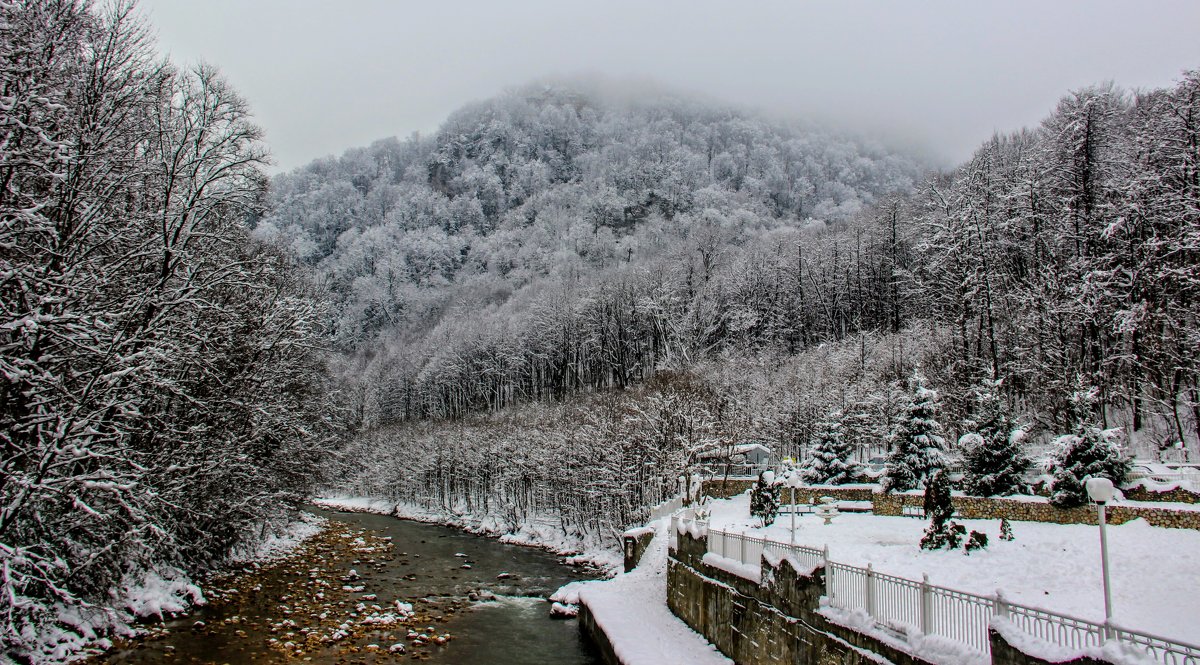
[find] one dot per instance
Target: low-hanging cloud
(938, 77)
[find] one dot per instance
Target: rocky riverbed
(370, 589)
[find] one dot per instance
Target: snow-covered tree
(1086, 452)
(164, 395)
(942, 532)
(993, 455)
(831, 457)
(764, 498)
(917, 442)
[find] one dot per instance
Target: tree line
(164, 394)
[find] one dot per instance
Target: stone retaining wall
(1140, 492)
(806, 494)
(975, 507)
(635, 543)
(776, 622)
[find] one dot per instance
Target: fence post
(1001, 608)
(870, 590)
(828, 575)
(926, 605)
(742, 540)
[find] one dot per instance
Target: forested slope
(552, 240)
(1061, 259)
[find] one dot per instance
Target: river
(474, 600)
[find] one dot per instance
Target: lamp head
(1099, 488)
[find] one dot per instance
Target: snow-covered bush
(977, 540)
(917, 441)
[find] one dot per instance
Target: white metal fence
(666, 508)
(748, 548)
(908, 606)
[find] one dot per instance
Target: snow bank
(638, 532)
(773, 559)
(734, 567)
(1118, 653)
(932, 648)
(279, 544)
(632, 611)
(542, 533)
(166, 590)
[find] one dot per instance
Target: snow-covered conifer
(993, 455)
(764, 498)
(917, 441)
(831, 457)
(1088, 451)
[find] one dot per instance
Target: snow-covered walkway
(632, 611)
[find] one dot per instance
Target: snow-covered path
(632, 610)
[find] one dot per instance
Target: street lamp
(793, 480)
(1100, 489)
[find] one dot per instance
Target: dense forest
(555, 245)
(164, 397)
(551, 241)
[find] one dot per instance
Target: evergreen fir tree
(1089, 451)
(917, 441)
(1005, 529)
(831, 460)
(942, 532)
(764, 498)
(993, 456)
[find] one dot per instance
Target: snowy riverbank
(631, 609)
(545, 534)
(160, 593)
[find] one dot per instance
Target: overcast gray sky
(326, 76)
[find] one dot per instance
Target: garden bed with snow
(1155, 571)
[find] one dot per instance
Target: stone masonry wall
(974, 507)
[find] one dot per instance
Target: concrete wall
(776, 622)
(635, 543)
(587, 623)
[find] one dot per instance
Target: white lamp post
(1100, 490)
(793, 481)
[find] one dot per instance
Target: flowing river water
(474, 600)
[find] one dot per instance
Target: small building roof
(739, 449)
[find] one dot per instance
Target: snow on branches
(917, 441)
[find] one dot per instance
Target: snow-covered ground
(546, 534)
(1155, 571)
(632, 610)
(277, 545)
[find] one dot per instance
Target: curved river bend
(487, 596)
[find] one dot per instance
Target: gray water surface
(487, 595)
(514, 629)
